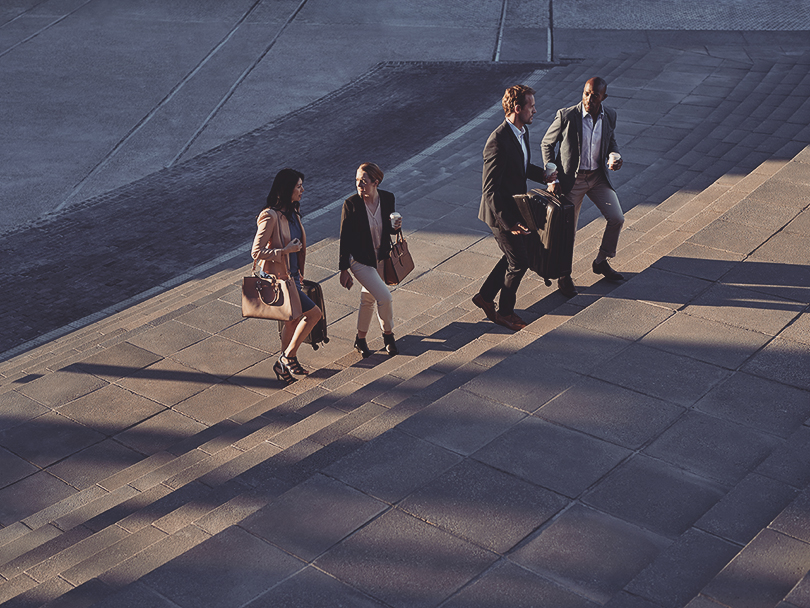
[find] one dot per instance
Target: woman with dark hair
(280, 247)
(366, 227)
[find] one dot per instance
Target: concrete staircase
(87, 546)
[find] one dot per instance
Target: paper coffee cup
(613, 157)
(550, 168)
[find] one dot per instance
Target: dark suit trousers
(508, 272)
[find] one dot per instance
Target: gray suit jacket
(504, 176)
(567, 130)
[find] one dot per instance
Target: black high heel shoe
(293, 365)
(283, 372)
(390, 345)
(361, 346)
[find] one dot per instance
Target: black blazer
(505, 176)
(355, 234)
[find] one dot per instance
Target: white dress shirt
(519, 133)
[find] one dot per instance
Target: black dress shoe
(566, 287)
(487, 307)
(604, 268)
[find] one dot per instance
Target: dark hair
(515, 96)
(280, 196)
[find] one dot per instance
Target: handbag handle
(276, 290)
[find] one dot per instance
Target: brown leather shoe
(566, 287)
(517, 321)
(509, 321)
(487, 307)
(604, 268)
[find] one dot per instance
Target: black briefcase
(318, 334)
(551, 223)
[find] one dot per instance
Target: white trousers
(374, 290)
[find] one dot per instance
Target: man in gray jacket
(585, 133)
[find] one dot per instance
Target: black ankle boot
(361, 347)
(390, 345)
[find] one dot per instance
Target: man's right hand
(554, 188)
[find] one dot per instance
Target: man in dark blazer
(585, 133)
(507, 165)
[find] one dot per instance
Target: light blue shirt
(591, 141)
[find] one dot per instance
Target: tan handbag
(400, 263)
(272, 297)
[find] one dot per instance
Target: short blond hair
(515, 96)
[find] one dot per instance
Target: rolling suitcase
(551, 223)
(318, 334)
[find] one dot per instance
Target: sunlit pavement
(639, 445)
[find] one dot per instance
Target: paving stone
(661, 287)
(404, 561)
(218, 356)
(16, 408)
(168, 338)
(704, 262)
(217, 403)
(748, 508)
(712, 447)
(623, 318)
(13, 468)
(590, 553)
(392, 466)
(168, 382)
(506, 383)
(313, 589)
(507, 584)
(159, 432)
(65, 437)
(110, 409)
(575, 348)
(610, 412)
(731, 236)
(660, 374)
(461, 422)
(222, 571)
(763, 573)
(60, 387)
(95, 463)
(564, 461)
(655, 495)
(116, 362)
(799, 596)
(783, 361)
(212, 317)
(793, 520)
(312, 517)
(484, 506)
(762, 404)
(745, 308)
(14, 551)
(682, 570)
(710, 341)
(799, 330)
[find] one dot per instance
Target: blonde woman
(365, 244)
